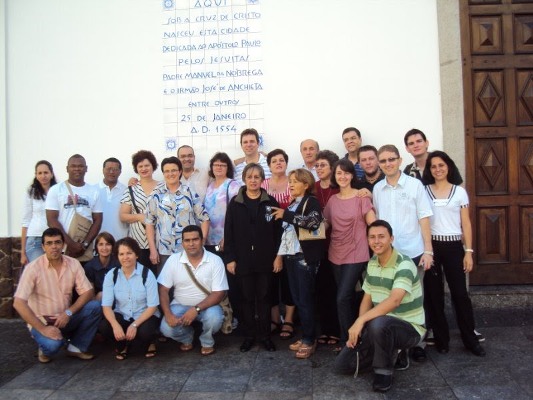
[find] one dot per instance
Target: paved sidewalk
(505, 373)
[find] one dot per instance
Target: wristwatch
(198, 309)
(134, 325)
(68, 312)
(85, 245)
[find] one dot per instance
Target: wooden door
(497, 49)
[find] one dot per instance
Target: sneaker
(43, 358)
(480, 337)
(430, 339)
(402, 361)
(382, 383)
(419, 354)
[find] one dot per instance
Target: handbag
(226, 327)
(79, 228)
(308, 234)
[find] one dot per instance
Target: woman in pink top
(348, 214)
(278, 187)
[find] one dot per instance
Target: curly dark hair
(143, 155)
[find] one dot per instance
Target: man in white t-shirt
(250, 147)
(111, 191)
(61, 206)
(190, 303)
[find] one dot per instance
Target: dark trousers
(449, 257)
(255, 290)
(144, 259)
(346, 277)
(302, 282)
(146, 332)
(326, 299)
(381, 339)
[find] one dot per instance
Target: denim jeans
(211, 319)
(346, 276)
(80, 330)
(381, 339)
(34, 247)
(302, 283)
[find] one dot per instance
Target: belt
(446, 238)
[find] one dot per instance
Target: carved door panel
(497, 48)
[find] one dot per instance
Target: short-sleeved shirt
(240, 167)
(96, 272)
(446, 218)
(87, 200)
(398, 273)
(47, 291)
(348, 244)
(210, 273)
(170, 213)
(110, 199)
(137, 230)
(131, 296)
(402, 206)
(215, 203)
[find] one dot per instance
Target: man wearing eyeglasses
(111, 191)
(44, 301)
(401, 200)
(197, 179)
(170, 209)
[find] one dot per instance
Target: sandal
(286, 334)
(305, 351)
(186, 346)
(296, 345)
(151, 352)
(121, 355)
(207, 351)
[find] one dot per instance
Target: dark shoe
(477, 350)
(382, 383)
(419, 354)
(269, 346)
(286, 334)
(402, 362)
(247, 345)
(430, 340)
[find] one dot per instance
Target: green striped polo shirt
(399, 272)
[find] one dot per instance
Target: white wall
(84, 77)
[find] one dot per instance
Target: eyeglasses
(390, 160)
(323, 165)
(220, 165)
(171, 171)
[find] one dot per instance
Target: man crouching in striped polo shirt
(391, 316)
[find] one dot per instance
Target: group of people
(352, 240)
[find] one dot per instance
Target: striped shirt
(47, 291)
(399, 273)
(137, 230)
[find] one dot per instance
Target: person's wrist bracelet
(469, 250)
(429, 253)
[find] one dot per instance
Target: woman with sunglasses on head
(451, 237)
(34, 214)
